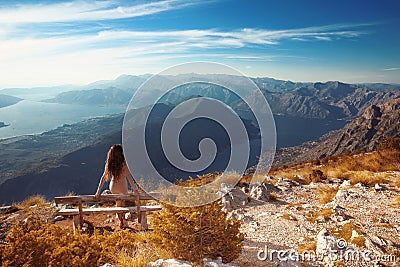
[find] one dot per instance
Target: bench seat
(88, 211)
(81, 210)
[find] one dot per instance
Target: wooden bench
(78, 212)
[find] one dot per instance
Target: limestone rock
(170, 263)
(325, 242)
(259, 191)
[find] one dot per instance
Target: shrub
(391, 143)
(326, 194)
(194, 233)
(37, 200)
(36, 243)
(315, 176)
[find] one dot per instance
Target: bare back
(120, 186)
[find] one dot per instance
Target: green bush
(194, 233)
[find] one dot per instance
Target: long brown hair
(115, 161)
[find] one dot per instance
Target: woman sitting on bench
(117, 171)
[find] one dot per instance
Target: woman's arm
(132, 182)
(101, 184)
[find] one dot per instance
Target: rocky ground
(283, 220)
(358, 218)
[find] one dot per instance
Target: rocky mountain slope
(365, 132)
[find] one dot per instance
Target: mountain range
(71, 158)
(330, 100)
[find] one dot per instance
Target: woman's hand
(97, 195)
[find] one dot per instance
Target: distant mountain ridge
(99, 97)
(330, 100)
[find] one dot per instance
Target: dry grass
(289, 217)
(316, 176)
(357, 167)
(307, 247)
(368, 178)
(142, 255)
(359, 241)
(273, 196)
(397, 200)
(346, 231)
(325, 194)
(312, 216)
(32, 201)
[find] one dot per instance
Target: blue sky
(77, 42)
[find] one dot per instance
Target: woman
(117, 171)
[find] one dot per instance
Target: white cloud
(78, 54)
(85, 11)
(391, 69)
(323, 38)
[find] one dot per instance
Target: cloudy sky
(76, 42)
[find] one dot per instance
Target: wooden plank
(104, 198)
(87, 211)
(80, 212)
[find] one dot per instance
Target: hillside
(99, 97)
(295, 209)
(19, 155)
(6, 100)
(365, 132)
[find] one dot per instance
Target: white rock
(259, 192)
(170, 263)
(345, 184)
(379, 187)
(312, 185)
(338, 210)
(360, 185)
(107, 265)
(354, 234)
(224, 189)
(58, 218)
(7, 209)
(218, 263)
(306, 206)
(341, 196)
(326, 243)
(321, 219)
(128, 216)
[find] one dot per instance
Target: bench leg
(77, 222)
(142, 219)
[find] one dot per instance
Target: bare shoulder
(125, 169)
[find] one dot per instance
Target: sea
(35, 117)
